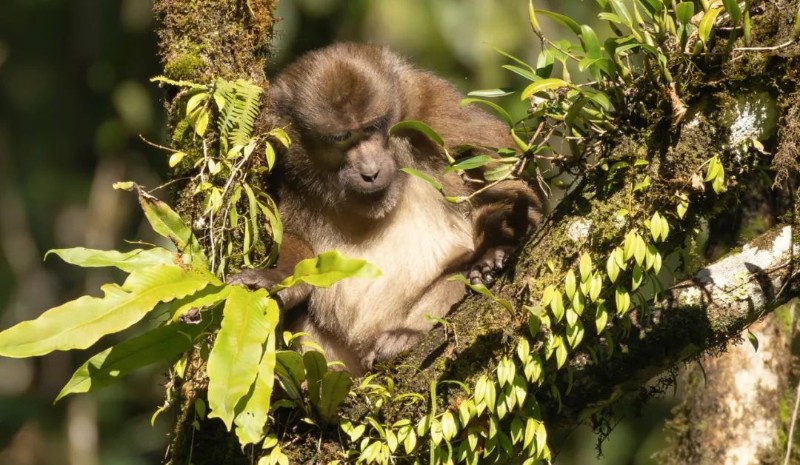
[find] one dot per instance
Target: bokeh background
(76, 107)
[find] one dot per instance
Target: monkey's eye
(340, 137)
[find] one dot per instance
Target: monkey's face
(363, 165)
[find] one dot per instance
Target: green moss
(184, 67)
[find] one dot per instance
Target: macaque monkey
(340, 187)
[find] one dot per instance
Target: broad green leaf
(470, 163)
(233, 363)
(611, 268)
(199, 121)
(449, 425)
(334, 388)
(316, 367)
(195, 101)
(418, 126)
(326, 269)
(136, 259)
(154, 346)
(563, 20)
(169, 224)
(425, 177)
(591, 44)
(80, 323)
(497, 108)
(484, 291)
(252, 419)
(543, 85)
(684, 12)
(291, 372)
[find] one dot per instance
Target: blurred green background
(75, 104)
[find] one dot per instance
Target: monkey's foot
(389, 344)
(485, 270)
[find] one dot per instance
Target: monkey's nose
(370, 177)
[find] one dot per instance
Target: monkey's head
(341, 102)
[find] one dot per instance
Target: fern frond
(237, 116)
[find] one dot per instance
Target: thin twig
(764, 49)
(789, 439)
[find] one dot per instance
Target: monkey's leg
(435, 302)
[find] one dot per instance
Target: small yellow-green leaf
(575, 334)
(585, 266)
(281, 136)
(532, 18)
(637, 277)
(629, 245)
(569, 284)
(469, 163)
(449, 425)
(547, 295)
(611, 268)
(269, 154)
(732, 6)
(176, 158)
(561, 352)
(622, 300)
(523, 350)
(682, 207)
(557, 306)
(595, 287)
(600, 318)
(639, 249)
(481, 289)
(543, 85)
(497, 108)
(199, 121)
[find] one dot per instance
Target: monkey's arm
(293, 250)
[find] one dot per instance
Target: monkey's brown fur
(340, 188)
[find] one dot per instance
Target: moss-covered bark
(201, 41)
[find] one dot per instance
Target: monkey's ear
(280, 95)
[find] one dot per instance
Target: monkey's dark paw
(253, 279)
(485, 270)
(389, 344)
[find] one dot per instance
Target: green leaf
(176, 158)
(575, 334)
(269, 155)
(169, 224)
(326, 269)
(569, 284)
(732, 6)
(419, 126)
(532, 18)
(684, 12)
(334, 388)
(591, 44)
(316, 367)
(484, 291)
(233, 363)
(425, 177)
(281, 136)
(601, 318)
(543, 85)
(796, 33)
(154, 346)
(585, 267)
(622, 300)
(469, 163)
(707, 23)
(497, 108)
(136, 259)
(252, 420)
(563, 20)
(490, 93)
(611, 268)
(80, 323)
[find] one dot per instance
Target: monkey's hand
(489, 265)
(256, 279)
(389, 344)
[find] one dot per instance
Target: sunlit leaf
(133, 260)
(234, 361)
(328, 268)
(78, 324)
(543, 85)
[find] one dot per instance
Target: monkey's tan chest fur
(422, 237)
